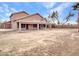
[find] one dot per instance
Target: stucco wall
(16, 17)
(14, 25)
(33, 19)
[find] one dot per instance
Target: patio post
(37, 26)
(45, 26)
(19, 26)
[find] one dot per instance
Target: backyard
(47, 42)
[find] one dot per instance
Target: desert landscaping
(49, 42)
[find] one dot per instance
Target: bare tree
(54, 17)
(68, 17)
(49, 18)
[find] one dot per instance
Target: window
(34, 25)
(22, 25)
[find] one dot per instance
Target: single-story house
(23, 21)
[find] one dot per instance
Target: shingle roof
(18, 13)
(26, 16)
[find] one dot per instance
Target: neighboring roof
(18, 13)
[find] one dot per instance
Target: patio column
(37, 26)
(19, 26)
(45, 26)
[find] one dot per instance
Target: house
(23, 21)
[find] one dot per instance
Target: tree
(54, 17)
(68, 17)
(49, 18)
(76, 7)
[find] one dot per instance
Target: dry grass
(41, 43)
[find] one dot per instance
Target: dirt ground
(53, 42)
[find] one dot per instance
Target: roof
(18, 13)
(31, 16)
(26, 16)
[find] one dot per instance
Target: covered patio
(23, 26)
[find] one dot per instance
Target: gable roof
(37, 18)
(31, 16)
(27, 16)
(18, 13)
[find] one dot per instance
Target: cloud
(13, 10)
(60, 8)
(8, 14)
(4, 19)
(5, 5)
(1, 9)
(4, 8)
(49, 5)
(1, 16)
(7, 10)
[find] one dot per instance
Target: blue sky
(43, 8)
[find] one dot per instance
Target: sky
(43, 8)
